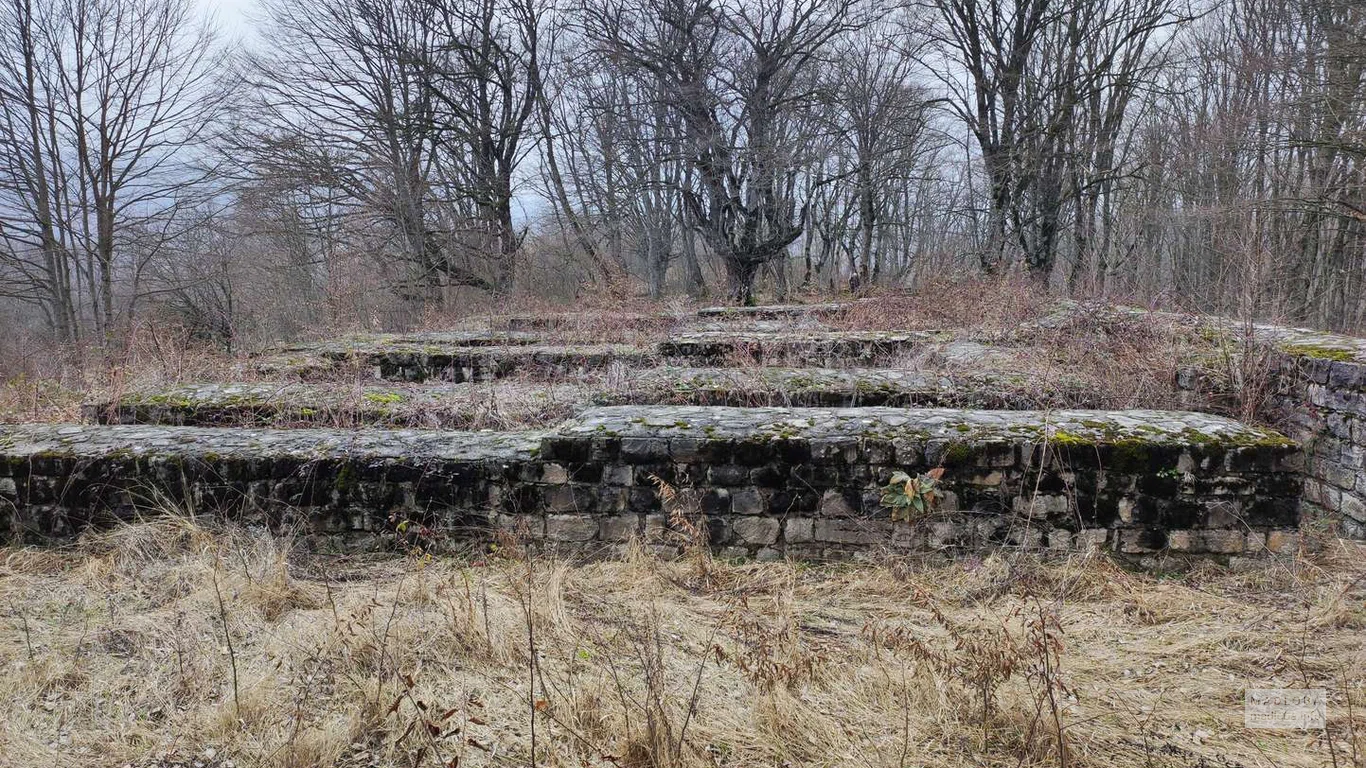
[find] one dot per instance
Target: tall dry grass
(166, 643)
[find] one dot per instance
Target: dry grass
(1089, 356)
(166, 644)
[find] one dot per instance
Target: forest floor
(166, 643)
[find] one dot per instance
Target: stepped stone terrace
(778, 432)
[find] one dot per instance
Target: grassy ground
(164, 643)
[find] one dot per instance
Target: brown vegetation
(166, 643)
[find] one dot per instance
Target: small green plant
(383, 398)
(911, 498)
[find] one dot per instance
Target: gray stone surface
(806, 348)
(1320, 399)
(407, 361)
(776, 311)
(393, 405)
(1081, 427)
(81, 441)
(1317, 383)
(754, 386)
(768, 481)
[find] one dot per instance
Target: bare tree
(413, 113)
(1044, 87)
(739, 76)
(107, 106)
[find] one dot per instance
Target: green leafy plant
(910, 497)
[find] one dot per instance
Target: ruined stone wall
(764, 482)
(809, 483)
(1320, 402)
(343, 487)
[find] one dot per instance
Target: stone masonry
(765, 482)
(1320, 401)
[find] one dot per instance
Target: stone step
(406, 361)
(513, 404)
(812, 348)
(501, 405)
(776, 311)
(761, 386)
(342, 344)
(769, 481)
(574, 322)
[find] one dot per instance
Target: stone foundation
(401, 361)
(815, 349)
(1320, 400)
(765, 482)
(776, 311)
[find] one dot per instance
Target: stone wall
(813, 348)
(348, 487)
(453, 362)
(1320, 401)
(766, 482)
(809, 482)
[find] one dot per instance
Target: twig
(232, 652)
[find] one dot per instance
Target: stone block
(909, 453)
(1000, 455)
(728, 474)
(8, 489)
(618, 474)
(1185, 541)
(644, 450)
(797, 530)
(531, 526)
(554, 474)
(1222, 513)
(992, 479)
(619, 527)
(851, 531)
(656, 525)
(571, 528)
(560, 498)
(946, 534)
(747, 501)
(1347, 375)
(1223, 542)
(715, 501)
(1141, 540)
(1092, 539)
(909, 537)
(756, 530)
(834, 504)
(844, 450)
(877, 452)
(685, 449)
(1322, 495)
(1283, 542)
(1041, 505)
(1059, 540)
(1028, 537)
(611, 499)
(1354, 507)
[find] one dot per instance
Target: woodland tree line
(365, 161)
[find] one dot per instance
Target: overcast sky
(230, 14)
